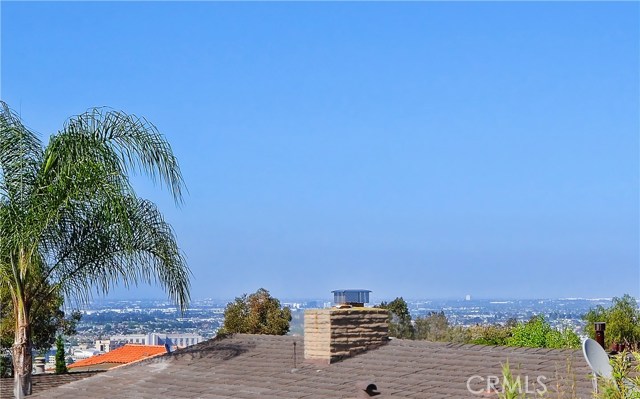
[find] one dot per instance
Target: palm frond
(140, 248)
(138, 143)
(20, 155)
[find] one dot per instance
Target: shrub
(489, 335)
(538, 333)
(459, 335)
(61, 364)
(6, 366)
(625, 383)
(560, 339)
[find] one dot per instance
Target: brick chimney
(345, 330)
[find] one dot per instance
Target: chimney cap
(351, 291)
(351, 297)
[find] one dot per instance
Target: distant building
(141, 339)
(106, 345)
(84, 353)
(467, 298)
(174, 339)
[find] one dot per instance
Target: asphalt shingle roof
(43, 382)
(258, 366)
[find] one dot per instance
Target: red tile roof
(125, 354)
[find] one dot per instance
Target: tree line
(622, 318)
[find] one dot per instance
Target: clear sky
(427, 150)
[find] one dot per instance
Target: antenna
(294, 355)
(597, 358)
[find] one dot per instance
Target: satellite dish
(597, 358)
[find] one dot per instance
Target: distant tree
(459, 334)
(6, 368)
(622, 318)
(400, 325)
(432, 327)
(61, 364)
(258, 313)
(511, 322)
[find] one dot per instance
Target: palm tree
(70, 222)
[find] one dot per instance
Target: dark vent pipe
(600, 327)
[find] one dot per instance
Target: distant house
(342, 352)
(123, 355)
(85, 353)
(106, 345)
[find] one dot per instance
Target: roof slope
(43, 382)
(124, 354)
(252, 366)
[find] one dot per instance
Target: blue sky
(427, 150)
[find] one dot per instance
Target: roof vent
(366, 389)
(350, 298)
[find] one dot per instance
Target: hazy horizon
(374, 298)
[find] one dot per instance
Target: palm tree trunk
(22, 352)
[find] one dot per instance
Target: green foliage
(538, 333)
(435, 326)
(490, 334)
(459, 335)
(61, 364)
(511, 386)
(625, 383)
(530, 334)
(561, 339)
(622, 318)
(258, 313)
(399, 318)
(6, 369)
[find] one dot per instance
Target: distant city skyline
(111, 317)
(375, 299)
(423, 150)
